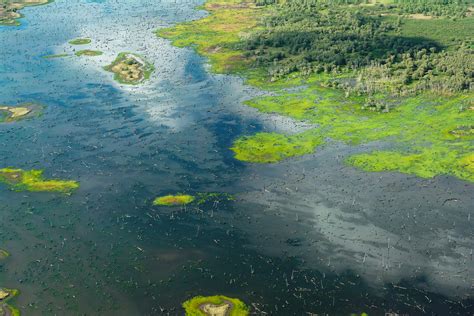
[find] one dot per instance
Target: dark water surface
(309, 235)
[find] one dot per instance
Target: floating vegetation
(55, 56)
(273, 147)
(9, 14)
(19, 112)
(88, 52)
(32, 180)
(130, 68)
(80, 41)
(4, 254)
(174, 200)
(217, 305)
(213, 197)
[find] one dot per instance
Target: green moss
(273, 147)
(173, 200)
(80, 41)
(129, 68)
(88, 52)
(55, 56)
(214, 197)
(11, 310)
(32, 180)
(194, 305)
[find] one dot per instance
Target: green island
(10, 114)
(80, 41)
(199, 199)
(55, 56)
(88, 52)
(33, 180)
(217, 305)
(9, 10)
(5, 308)
(173, 200)
(130, 68)
(398, 74)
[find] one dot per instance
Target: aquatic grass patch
(33, 180)
(4, 254)
(5, 296)
(173, 200)
(215, 305)
(80, 41)
(274, 147)
(88, 52)
(55, 56)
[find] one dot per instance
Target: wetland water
(306, 235)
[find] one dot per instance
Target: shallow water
(305, 235)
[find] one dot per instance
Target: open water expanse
(308, 235)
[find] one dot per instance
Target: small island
(19, 112)
(55, 56)
(88, 52)
(80, 41)
(217, 305)
(5, 296)
(173, 200)
(130, 68)
(9, 14)
(32, 180)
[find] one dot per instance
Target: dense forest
(314, 36)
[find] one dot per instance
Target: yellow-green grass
(80, 41)
(193, 307)
(4, 254)
(33, 180)
(173, 200)
(88, 52)
(7, 308)
(432, 128)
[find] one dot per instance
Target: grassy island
(5, 308)
(32, 180)
(173, 200)
(130, 68)
(55, 56)
(9, 10)
(80, 41)
(363, 72)
(217, 305)
(19, 112)
(88, 52)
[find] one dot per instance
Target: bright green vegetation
(217, 305)
(9, 10)
(4, 254)
(5, 296)
(80, 41)
(130, 68)
(198, 198)
(88, 52)
(173, 200)
(10, 114)
(273, 147)
(32, 180)
(56, 56)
